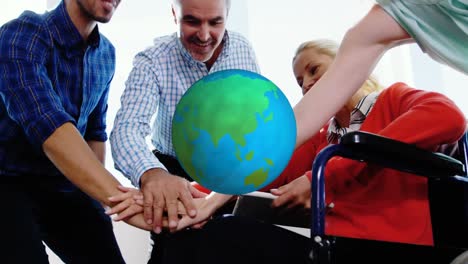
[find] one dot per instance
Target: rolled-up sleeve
(96, 127)
(26, 89)
(139, 101)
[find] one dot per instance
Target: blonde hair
(330, 48)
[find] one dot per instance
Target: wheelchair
(448, 201)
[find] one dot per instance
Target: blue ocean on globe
(234, 131)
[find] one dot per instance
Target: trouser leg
(20, 240)
(77, 229)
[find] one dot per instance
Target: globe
(233, 131)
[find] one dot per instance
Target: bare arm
(99, 149)
(77, 161)
(71, 155)
(361, 49)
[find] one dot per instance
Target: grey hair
(228, 3)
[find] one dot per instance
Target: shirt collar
(189, 59)
(358, 115)
(66, 34)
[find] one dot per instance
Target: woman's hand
(206, 207)
(294, 194)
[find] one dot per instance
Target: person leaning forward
(160, 76)
(56, 70)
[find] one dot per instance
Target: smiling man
(161, 75)
(55, 71)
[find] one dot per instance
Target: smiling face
(98, 10)
(309, 66)
(202, 25)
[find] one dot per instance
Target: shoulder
(162, 48)
(401, 98)
(27, 21)
(162, 45)
(27, 32)
(238, 40)
(32, 18)
(155, 57)
(403, 91)
(106, 44)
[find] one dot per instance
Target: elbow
(456, 122)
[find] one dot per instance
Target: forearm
(73, 157)
(132, 123)
(352, 66)
(99, 149)
(360, 50)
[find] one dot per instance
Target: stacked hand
(294, 194)
(206, 207)
(171, 202)
(131, 202)
(161, 193)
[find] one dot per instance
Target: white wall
(275, 29)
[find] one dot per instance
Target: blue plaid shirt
(49, 76)
(161, 75)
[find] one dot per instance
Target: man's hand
(162, 191)
(129, 203)
(294, 194)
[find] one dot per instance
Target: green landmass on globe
(224, 129)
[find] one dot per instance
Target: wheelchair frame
(447, 183)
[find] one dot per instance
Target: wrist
(217, 200)
(155, 172)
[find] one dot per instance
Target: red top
(380, 203)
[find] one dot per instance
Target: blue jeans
(39, 209)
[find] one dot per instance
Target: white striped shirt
(358, 116)
(161, 74)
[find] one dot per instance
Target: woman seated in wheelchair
(365, 201)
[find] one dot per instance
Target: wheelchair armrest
(384, 152)
(401, 156)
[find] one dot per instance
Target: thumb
(196, 193)
(183, 223)
(281, 190)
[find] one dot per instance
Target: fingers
(184, 222)
(282, 200)
(196, 193)
(162, 193)
(181, 209)
(157, 213)
(187, 201)
(171, 204)
(120, 207)
(124, 189)
(276, 192)
(187, 221)
(283, 194)
(122, 197)
(148, 207)
(130, 211)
